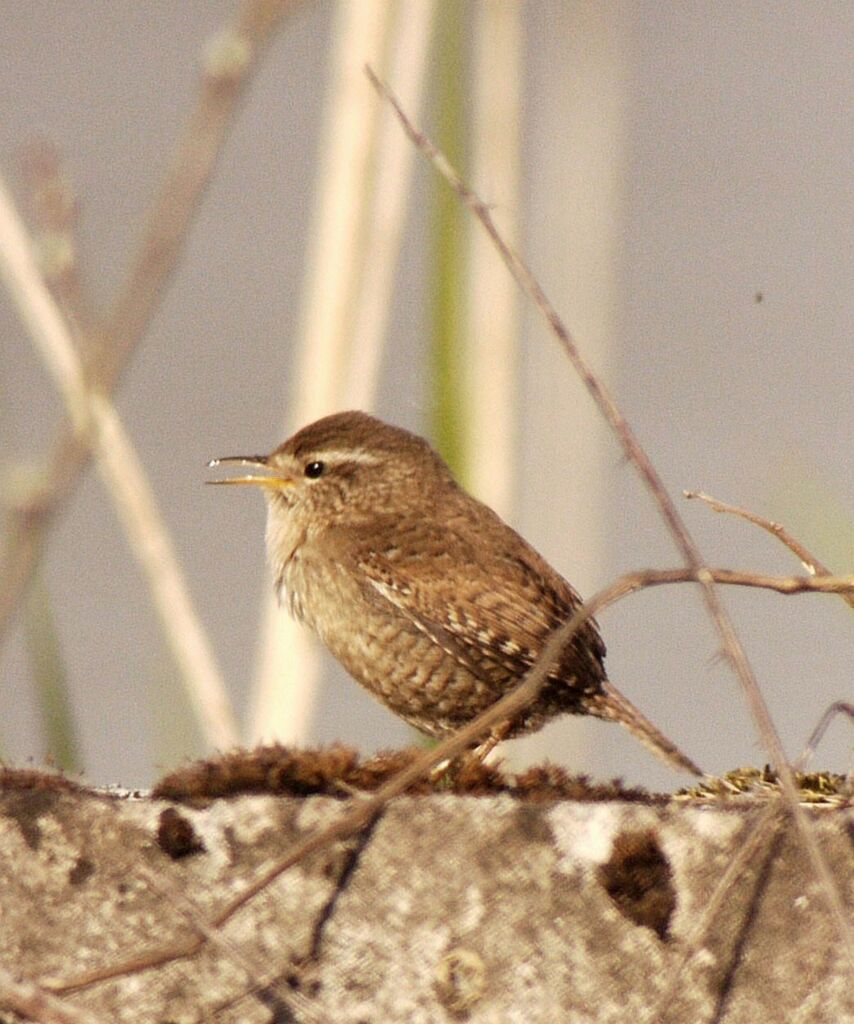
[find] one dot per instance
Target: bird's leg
(450, 770)
(482, 751)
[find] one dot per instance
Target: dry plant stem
(838, 707)
(286, 679)
(731, 646)
(230, 59)
(56, 215)
(34, 1003)
(95, 421)
(812, 565)
(809, 561)
(732, 577)
(491, 362)
(389, 194)
(365, 809)
(223, 84)
(40, 314)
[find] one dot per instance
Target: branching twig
(732, 577)
(731, 645)
(96, 422)
(812, 565)
(230, 65)
(365, 809)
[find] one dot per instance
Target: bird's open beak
(274, 482)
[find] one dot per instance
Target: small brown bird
(424, 595)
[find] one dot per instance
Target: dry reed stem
(365, 809)
(492, 307)
(286, 680)
(637, 456)
(96, 422)
(223, 83)
(390, 190)
(807, 559)
(40, 315)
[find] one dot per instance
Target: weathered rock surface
(449, 908)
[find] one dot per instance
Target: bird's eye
(314, 469)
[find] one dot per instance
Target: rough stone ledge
(450, 908)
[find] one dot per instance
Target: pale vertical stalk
(491, 395)
(151, 543)
(93, 415)
(406, 68)
(60, 743)
(577, 157)
(39, 312)
(287, 676)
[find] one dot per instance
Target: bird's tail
(611, 705)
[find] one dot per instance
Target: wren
(426, 597)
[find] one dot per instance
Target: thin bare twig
(36, 1004)
(733, 577)
(838, 707)
(230, 950)
(231, 63)
(365, 809)
(731, 646)
(812, 565)
(96, 422)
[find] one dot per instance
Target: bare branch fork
(731, 646)
(812, 565)
(229, 65)
(365, 810)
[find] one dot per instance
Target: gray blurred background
(729, 308)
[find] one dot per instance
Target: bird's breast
(317, 591)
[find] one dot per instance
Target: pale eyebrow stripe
(336, 455)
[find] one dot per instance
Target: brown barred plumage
(424, 594)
